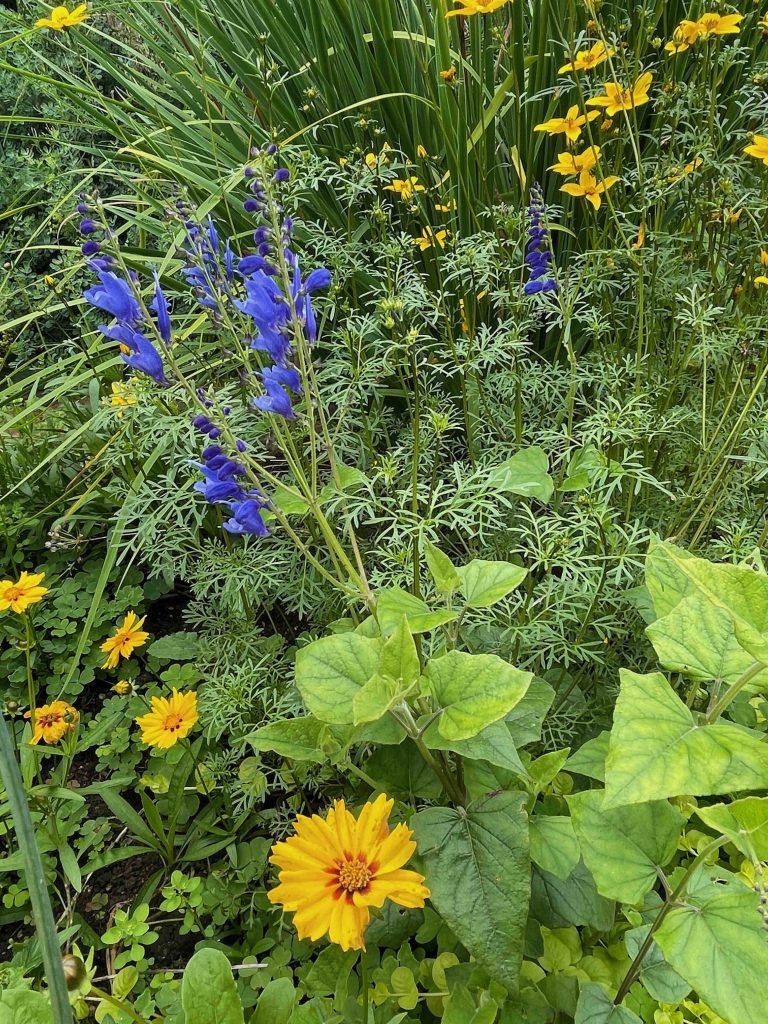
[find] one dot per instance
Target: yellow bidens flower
(170, 719)
(335, 868)
(618, 98)
(571, 125)
(52, 721)
(471, 7)
(430, 237)
(448, 75)
(714, 24)
(20, 595)
(585, 60)
(589, 187)
(405, 187)
(575, 163)
(685, 35)
(758, 148)
(129, 636)
(61, 18)
(373, 161)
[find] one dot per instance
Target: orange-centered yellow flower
(758, 148)
(685, 35)
(61, 18)
(405, 187)
(589, 187)
(571, 125)
(471, 7)
(125, 639)
(430, 237)
(170, 719)
(585, 60)
(618, 98)
(575, 163)
(335, 868)
(20, 595)
(52, 721)
(713, 24)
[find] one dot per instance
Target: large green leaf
(22, 1006)
(330, 671)
(624, 846)
(719, 945)
(301, 739)
(559, 902)
(484, 583)
(473, 690)
(477, 868)
(442, 569)
(393, 604)
(745, 822)
(527, 717)
(554, 846)
(706, 612)
(493, 744)
(525, 474)
(208, 991)
(596, 1006)
(657, 748)
(661, 980)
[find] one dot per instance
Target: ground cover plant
(383, 606)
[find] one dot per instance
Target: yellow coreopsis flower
(430, 237)
(714, 24)
(763, 24)
(684, 36)
(448, 207)
(124, 688)
(618, 98)
(61, 18)
(761, 280)
(51, 722)
(471, 7)
(170, 720)
(20, 595)
(585, 60)
(571, 125)
(575, 163)
(758, 148)
(589, 187)
(335, 868)
(449, 75)
(421, 152)
(125, 639)
(405, 188)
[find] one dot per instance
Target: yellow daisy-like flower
(124, 688)
(471, 7)
(127, 637)
(684, 36)
(585, 60)
(758, 148)
(405, 188)
(763, 24)
(590, 188)
(449, 75)
(575, 163)
(430, 237)
(618, 98)
(761, 280)
(20, 595)
(571, 125)
(421, 152)
(714, 24)
(61, 18)
(335, 868)
(52, 721)
(170, 720)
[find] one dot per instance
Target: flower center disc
(172, 722)
(354, 876)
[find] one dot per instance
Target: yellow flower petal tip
(20, 595)
(334, 869)
(471, 7)
(170, 719)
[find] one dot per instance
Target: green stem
(120, 1004)
(733, 691)
(35, 877)
(365, 988)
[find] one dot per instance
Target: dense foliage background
(475, 520)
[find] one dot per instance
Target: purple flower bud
(265, 249)
(201, 423)
(271, 149)
(90, 248)
(282, 174)
(82, 207)
(227, 410)
(249, 172)
(251, 205)
(240, 445)
(213, 433)
(88, 226)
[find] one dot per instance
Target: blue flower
(538, 254)
(160, 308)
(246, 518)
(277, 400)
(115, 296)
(143, 357)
